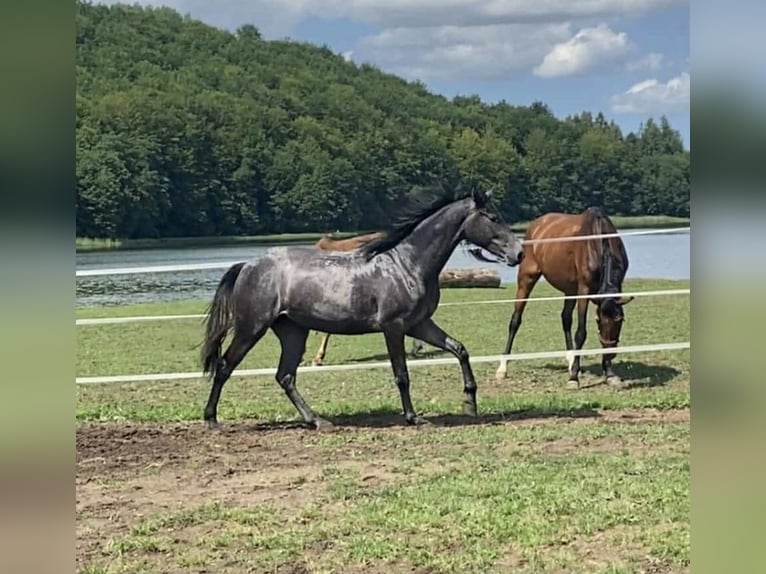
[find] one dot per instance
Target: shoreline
(88, 245)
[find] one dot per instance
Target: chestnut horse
(328, 243)
(579, 267)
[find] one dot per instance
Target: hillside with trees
(186, 130)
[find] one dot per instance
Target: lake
(663, 256)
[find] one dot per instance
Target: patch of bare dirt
(128, 472)
(647, 416)
(613, 548)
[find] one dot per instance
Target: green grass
(103, 244)
(547, 481)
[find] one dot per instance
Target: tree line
(183, 129)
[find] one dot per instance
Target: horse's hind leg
(292, 337)
(321, 351)
(239, 347)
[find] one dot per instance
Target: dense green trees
(186, 130)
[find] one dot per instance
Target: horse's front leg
(612, 379)
(396, 351)
(432, 334)
(580, 335)
(566, 326)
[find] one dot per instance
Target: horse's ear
(479, 197)
(625, 300)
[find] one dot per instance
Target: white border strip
(383, 364)
(140, 318)
(227, 264)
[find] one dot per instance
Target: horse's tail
(219, 319)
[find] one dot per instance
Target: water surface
(662, 256)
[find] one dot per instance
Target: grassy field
(545, 480)
(91, 244)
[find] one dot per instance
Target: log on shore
(466, 278)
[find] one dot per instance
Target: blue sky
(626, 58)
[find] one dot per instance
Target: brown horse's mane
(607, 258)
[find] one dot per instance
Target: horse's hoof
(469, 409)
(500, 375)
(316, 363)
(211, 424)
(616, 382)
(321, 424)
(573, 384)
(418, 421)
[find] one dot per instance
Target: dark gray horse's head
(485, 228)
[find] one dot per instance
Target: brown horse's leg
(417, 347)
(612, 379)
(321, 351)
(525, 283)
(566, 325)
(579, 340)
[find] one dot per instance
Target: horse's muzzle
(513, 262)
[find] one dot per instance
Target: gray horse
(390, 285)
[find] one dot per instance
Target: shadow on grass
(636, 373)
(389, 418)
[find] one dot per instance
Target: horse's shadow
(391, 418)
(636, 373)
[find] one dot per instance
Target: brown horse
(328, 243)
(579, 267)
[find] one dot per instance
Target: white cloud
(428, 39)
(347, 55)
(651, 62)
(278, 17)
(589, 49)
(653, 96)
(449, 52)
(431, 13)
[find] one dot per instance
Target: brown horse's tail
(219, 319)
(606, 257)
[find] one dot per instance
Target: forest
(185, 130)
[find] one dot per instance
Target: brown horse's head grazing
(609, 318)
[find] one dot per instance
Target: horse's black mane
(614, 265)
(417, 206)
